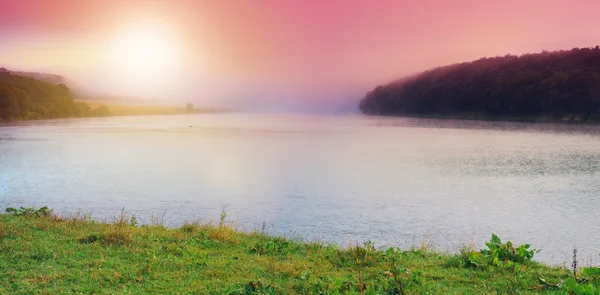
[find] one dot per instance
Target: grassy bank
(41, 253)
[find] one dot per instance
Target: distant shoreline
(25, 98)
(127, 110)
(483, 118)
(559, 86)
(132, 108)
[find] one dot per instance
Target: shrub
(273, 246)
(498, 252)
(29, 211)
(576, 288)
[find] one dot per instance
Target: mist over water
(343, 179)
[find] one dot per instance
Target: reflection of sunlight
(227, 168)
(223, 169)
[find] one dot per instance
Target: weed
(395, 271)
(587, 284)
(116, 237)
(192, 227)
(29, 211)
(272, 246)
(223, 216)
(574, 264)
(497, 253)
(591, 272)
(580, 288)
(133, 221)
(120, 233)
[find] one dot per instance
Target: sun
(144, 52)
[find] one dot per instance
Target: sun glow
(144, 54)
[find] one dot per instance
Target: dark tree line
(27, 98)
(548, 84)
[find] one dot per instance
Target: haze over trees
(552, 85)
(50, 78)
(27, 98)
(189, 107)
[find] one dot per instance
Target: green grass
(41, 253)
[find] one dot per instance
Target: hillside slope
(28, 98)
(553, 85)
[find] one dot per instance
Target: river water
(343, 179)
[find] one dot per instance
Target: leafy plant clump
(29, 211)
(498, 252)
(587, 284)
(581, 288)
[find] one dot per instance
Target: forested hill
(28, 98)
(554, 85)
(50, 78)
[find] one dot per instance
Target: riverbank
(122, 110)
(142, 108)
(569, 119)
(44, 253)
(25, 98)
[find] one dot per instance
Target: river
(344, 179)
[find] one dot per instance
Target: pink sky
(302, 47)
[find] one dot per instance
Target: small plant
(497, 251)
(396, 272)
(272, 246)
(574, 264)
(591, 272)
(223, 216)
(584, 285)
(577, 288)
(191, 227)
(133, 221)
(113, 237)
(29, 211)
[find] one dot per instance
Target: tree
(189, 107)
(28, 98)
(549, 84)
(101, 111)
(82, 110)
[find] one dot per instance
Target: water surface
(343, 179)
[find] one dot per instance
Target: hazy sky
(267, 51)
